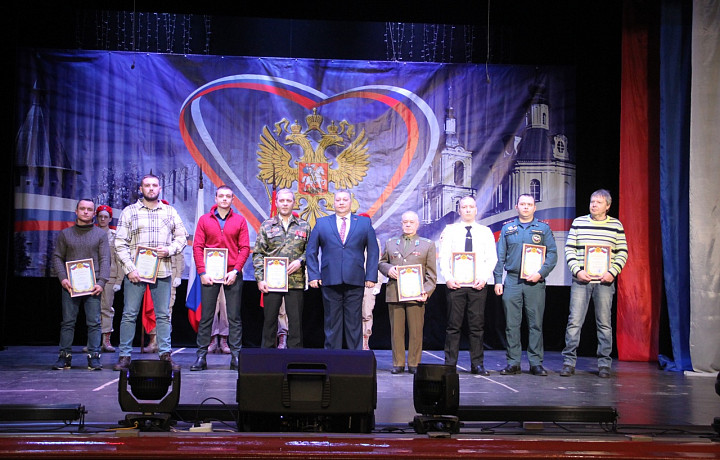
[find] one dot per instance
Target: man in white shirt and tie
(467, 236)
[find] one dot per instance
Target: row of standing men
(341, 256)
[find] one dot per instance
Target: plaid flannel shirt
(142, 226)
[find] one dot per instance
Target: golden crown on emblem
(314, 121)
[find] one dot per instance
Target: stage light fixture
(436, 396)
(148, 381)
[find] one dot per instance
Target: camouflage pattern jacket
(273, 241)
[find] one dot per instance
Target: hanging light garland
(146, 32)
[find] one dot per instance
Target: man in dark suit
(341, 241)
(408, 249)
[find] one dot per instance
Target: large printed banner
(399, 136)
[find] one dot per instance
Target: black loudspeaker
(306, 390)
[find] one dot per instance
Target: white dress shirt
(452, 240)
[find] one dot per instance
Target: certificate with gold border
(81, 274)
(533, 258)
(147, 263)
(276, 273)
(215, 263)
(462, 267)
(410, 282)
(597, 260)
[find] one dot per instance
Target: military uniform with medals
(408, 251)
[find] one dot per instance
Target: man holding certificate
(467, 260)
(220, 248)
(81, 260)
(596, 252)
(526, 250)
(148, 234)
(279, 259)
(409, 264)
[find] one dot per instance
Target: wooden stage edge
(142, 445)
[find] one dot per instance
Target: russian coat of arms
(313, 170)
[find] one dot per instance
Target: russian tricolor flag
(194, 299)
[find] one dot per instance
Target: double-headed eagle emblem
(313, 171)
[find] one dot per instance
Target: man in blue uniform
(524, 291)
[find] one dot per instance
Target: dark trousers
(209, 295)
(293, 309)
(343, 316)
(459, 301)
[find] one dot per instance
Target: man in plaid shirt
(150, 223)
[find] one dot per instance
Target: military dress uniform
(519, 294)
(274, 240)
(408, 251)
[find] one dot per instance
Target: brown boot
(224, 347)
(106, 345)
(212, 348)
(152, 346)
(122, 364)
(168, 357)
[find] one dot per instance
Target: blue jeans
(133, 293)
(602, 297)
(70, 309)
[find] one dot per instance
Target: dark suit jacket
(421, 251)
(343, 263)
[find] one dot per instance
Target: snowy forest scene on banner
(398, 135)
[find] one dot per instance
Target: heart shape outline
(310, 98)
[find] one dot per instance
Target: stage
(671, 413)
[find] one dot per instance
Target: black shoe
(200, 364)
(538, 370)
(94, 362)
(397, 370)
(604, 373)
(64, 361)
(480, 370)
(567, 371)
(123, 363)
(234, 363)
(412, 369)
(168, 357)
(511, 369)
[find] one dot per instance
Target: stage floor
(650, 403)
(641, 393)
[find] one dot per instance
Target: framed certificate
(276, 273)
(597, 260)
(146, 263)
(462, 267)
(533, 257)
(216, 263)
(81, 274)
(410, 282)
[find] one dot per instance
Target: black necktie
(468, 240)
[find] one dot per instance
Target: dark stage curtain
(675, 82)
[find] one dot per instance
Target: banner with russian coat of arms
(399, 135)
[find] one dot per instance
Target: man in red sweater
(221, 228)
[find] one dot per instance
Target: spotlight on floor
(436, 395)
(148, 381)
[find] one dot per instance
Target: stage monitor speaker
(306, 390)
